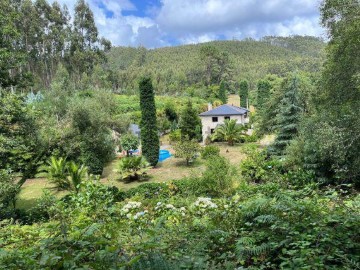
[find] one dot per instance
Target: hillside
(175, 68)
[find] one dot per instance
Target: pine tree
(222, 92)
(263, 92)
(244, 93)
(190, 122)
(288, 118)
(149, 133)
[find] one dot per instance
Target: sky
(159, 23)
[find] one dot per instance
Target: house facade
(215, 117)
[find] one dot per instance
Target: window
(245, 115)
(214, 119)
(212, 131)
(227, 117)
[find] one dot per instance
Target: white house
(214, 117)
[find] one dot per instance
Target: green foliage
(187, 149)
(223, 92)
(76, 174)
(65, 175)
(164, 125)
(244, 93)
(170, 112)
(150, 191)
(263, 93)
(257, 168)
(149, 134)
(288, 118)
(330, 135)
(56, 171)
(209, 151)
(92, 143)
(20, 145)
(261, 226)
(175, 136)
(129, 142)
(230, 131)
(8, 190)
(251, 138)
(11, 57)
(189, 122)
(133, 168)
(218, 178)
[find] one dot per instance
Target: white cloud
(254, 18)
(193, 21)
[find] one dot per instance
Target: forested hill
(176, 68)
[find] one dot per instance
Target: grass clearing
(168, 170)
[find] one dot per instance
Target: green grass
(32, 190)
(168, 170)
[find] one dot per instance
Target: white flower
(205, 203)
(170, 206)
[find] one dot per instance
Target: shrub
(55, 170)
(251, 138)
(187, 149)
(132, 168)
(76, 174)
(65, 175)
(258, 168)
(8, 189)
(218, 177)
(209, 151)
(43, 209)
(150, 191)
(175, 136)
(129, 142)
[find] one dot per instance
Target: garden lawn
(170, 169)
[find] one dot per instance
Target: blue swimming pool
(164, 154)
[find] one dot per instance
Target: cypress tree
(263, 92)
(190, 123)
(222, 92)
(149, 133)
(243, 93)
(288, 118)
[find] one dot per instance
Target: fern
(266, 219)
(250, 249)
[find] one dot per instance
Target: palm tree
(55, 170)
(230, 131)
(76, 175)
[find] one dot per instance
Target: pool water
(164, 154)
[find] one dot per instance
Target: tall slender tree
(223, 92)
(149, 133)
(11, 57)
(263, 92)
(243, 93)
(86, 48)
(288, 118)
